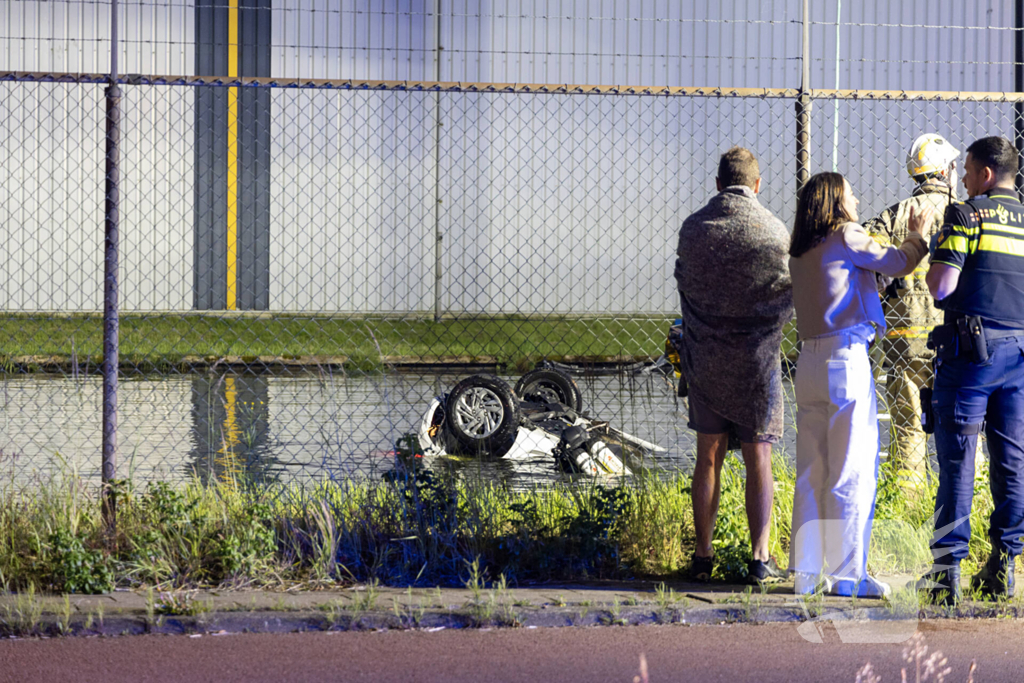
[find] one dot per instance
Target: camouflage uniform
(909, 319)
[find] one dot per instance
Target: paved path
(764, 653)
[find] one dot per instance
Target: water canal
(294, 426)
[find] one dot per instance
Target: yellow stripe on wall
(1001, 245)
(232, 227)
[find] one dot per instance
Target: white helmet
(929, 154)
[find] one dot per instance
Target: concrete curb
(377, 608)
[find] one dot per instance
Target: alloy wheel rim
(478, 412)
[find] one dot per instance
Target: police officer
(977, 276)
(909, 311)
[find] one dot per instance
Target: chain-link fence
(305, 266)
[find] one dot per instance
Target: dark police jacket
(983, 238)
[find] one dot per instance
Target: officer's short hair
(738, 166)
(997, 153)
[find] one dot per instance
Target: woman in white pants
(833, 264)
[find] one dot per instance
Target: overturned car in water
(542, 416)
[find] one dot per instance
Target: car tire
(547, 385)
(483, 415)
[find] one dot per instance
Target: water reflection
(261, 427)
(231, 429)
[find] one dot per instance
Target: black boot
(996, 578)
(942, 584)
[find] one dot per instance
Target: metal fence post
(437, 163)
(110, 281)
(1018, 83)
(803, 106)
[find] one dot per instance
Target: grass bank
(156, 342)
(423, 528)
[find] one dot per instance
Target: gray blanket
(733, 277)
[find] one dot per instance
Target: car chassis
(541, 417)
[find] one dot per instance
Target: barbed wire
(367, 48)
(546, 17)
(410, 13)
(938, 26)
(531, 53)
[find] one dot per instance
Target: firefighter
(909, 308)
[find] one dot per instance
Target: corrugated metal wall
(540, 195)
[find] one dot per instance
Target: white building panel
(548, 203)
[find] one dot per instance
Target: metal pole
(803, 107)
(110, 268)
(437, 163)
(1018, 83)
(835, 118)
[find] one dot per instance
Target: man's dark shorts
(707, 421)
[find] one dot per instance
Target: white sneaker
(805, 583)
(868, 587)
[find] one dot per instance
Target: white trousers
(836, 455)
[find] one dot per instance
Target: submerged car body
(541, 418)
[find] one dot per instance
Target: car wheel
(483, 415)
(546, 385)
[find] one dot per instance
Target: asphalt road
(763, 653)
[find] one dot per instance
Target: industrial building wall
(548, 203)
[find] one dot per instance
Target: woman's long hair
(819, 210)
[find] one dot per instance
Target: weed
(924, 667)
(408, 615)
(181, 603)
(751, 604)
(814, 604)
(558, 602)
(420, 527)
(22, 617)
(613, 617)
(365, 600)
(335, 613)
(152, 618)
(475, 582)
(665, 597)
(397, 609)
(904, 603)
(65, 565)
(501, 596)
(64, 616)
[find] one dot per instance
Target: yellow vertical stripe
(232, 227)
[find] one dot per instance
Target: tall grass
(417, 527)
